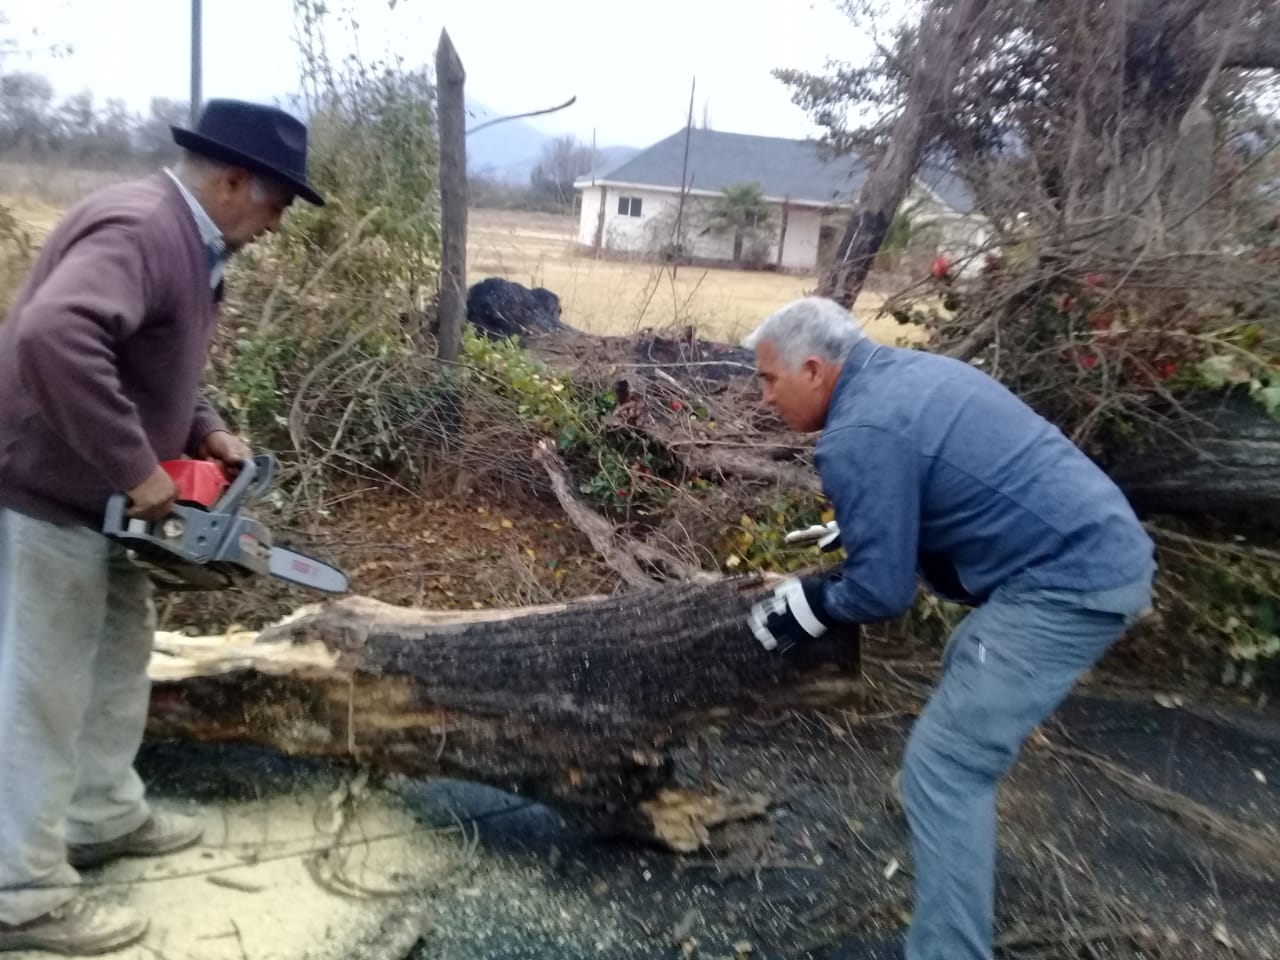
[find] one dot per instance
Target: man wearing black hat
(101, 359)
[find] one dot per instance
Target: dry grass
(615, 297)
(598, 296)
(38, 194)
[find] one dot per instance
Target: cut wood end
(176, 657)
(683, 819)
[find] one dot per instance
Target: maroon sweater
(101, 355)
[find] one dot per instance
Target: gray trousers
(76, 630)
(1008, 665)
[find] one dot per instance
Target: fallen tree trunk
(1219, 458)
(576, 705)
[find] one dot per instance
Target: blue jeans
(1008, 665)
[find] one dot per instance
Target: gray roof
(786, 169)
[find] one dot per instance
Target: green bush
(323, 356)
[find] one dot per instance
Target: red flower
(1064, 302)
(941, 268)
(1095, 280)
(621, 494)
(677, 406)
(1167, 369)
(1101, 320)
(1088, 361)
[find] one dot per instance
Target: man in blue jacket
(934, 467)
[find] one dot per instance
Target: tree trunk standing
(599, 240)
(1191, 183)
(782, 232)
(451, 80)
(737, 246)
(942, 48)
(576, 705)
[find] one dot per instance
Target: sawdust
(262, 887)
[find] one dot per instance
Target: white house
(635, 207)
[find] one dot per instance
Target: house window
(629, 206)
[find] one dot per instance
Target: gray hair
(808, 327)
(195, 170)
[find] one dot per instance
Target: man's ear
(813, 369)
(237, 179)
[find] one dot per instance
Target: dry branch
(1262, 845)
(599, 531)
(620, 552)
(1213, 454)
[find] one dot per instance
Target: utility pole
(684, 186)
(196, 60)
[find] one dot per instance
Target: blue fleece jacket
(934, 467)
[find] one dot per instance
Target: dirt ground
(1085, 870)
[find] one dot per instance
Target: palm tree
(905, 230)
(742, 210)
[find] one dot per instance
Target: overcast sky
(629, 64)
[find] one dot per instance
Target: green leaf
(1269, 397)
(1214, 371)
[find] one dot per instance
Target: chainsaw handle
(252, 482)
(265, 465)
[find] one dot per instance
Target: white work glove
(793, 613)
(825, 535)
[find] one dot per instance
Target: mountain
(510, 150)
(608, 158)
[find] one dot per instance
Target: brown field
(620, 297)
(537, 249)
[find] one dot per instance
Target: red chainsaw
(206, 542)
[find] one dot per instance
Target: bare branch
(520, 116)
(1255, 44)
(1179, 20)
(1258, 52)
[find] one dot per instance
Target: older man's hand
(153, 498)
(226, 448)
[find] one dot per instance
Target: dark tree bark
(945, 36)
(576, 705)
(1219, 459)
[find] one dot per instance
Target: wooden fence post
(450, 106)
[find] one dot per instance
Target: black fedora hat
(254, 136)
